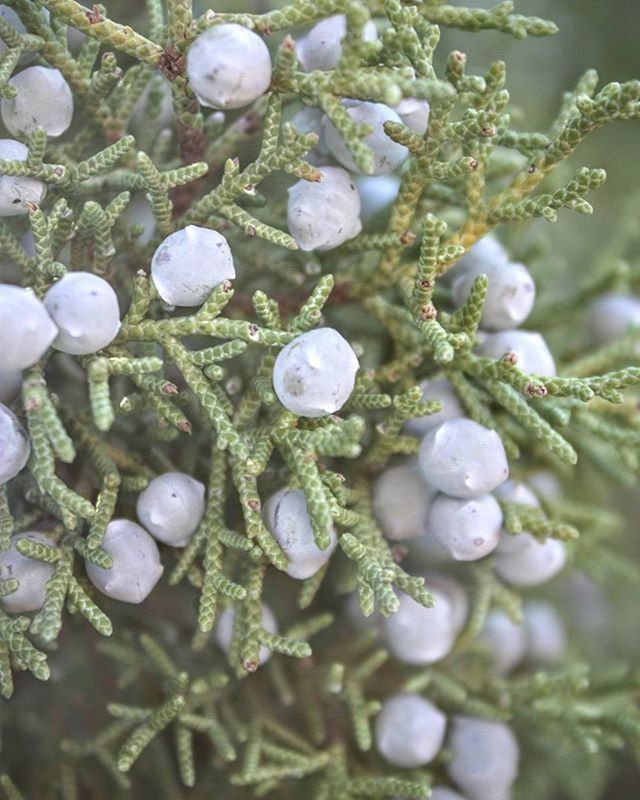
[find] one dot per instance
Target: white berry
(189, 263)
(409, 730)
(510, 294)
(546, 484)
(484, 757)
(444, 793)
(136, 564)
(323, 214)
(377, 193)
(517, 492)
(457, 596)
(43, 100)
(321, 48)
(27, 330)
(14, 445)
(419, 635)
(482, 257)
(85, 309)
(463, 459)
(532, 563)
(436, 389)
(31, 574)
(534, 356)
(10, 383)
(520, 494)
(16, 191)
(228, 66)
(224, 629)
(309, 120)
(140, 213)
(11, 16)
(468, 529)
(287, 518)
(401, 501)
(611, 315)
(546, 637)
(315, 373)
(387, 154)
(413, 113)
(504, 641)
(171, 507)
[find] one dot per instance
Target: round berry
(309, 120)
(520, 494)
(414, 113)
(611, 315)
(136, 564)
(530, 562)
(16, 191)
(482, 257)
(546, 638)
(287, 519)
(377, 193)
(315, 373)
(546, 484)
(436, 389)
(463, 459)
(517, 492)
(189, 263)
(468, 529)
(484, 757)
(444, 793)
(228, 66)
(401, 501)
(32, 575)
(10, 383)
(26, 331)
(11, 16)
(510, 295)
(85, 309)
(140, 213)
(224, 629)
(43, 100)
(504, 641)
(409, 730)
(533, 354)
(171, 507)
(419, 635)
(387, 154)
(321, 48)
(457, 597)
(14, 445)
(323, 214)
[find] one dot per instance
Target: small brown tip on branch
(94, 16)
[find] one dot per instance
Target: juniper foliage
(191, 390)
